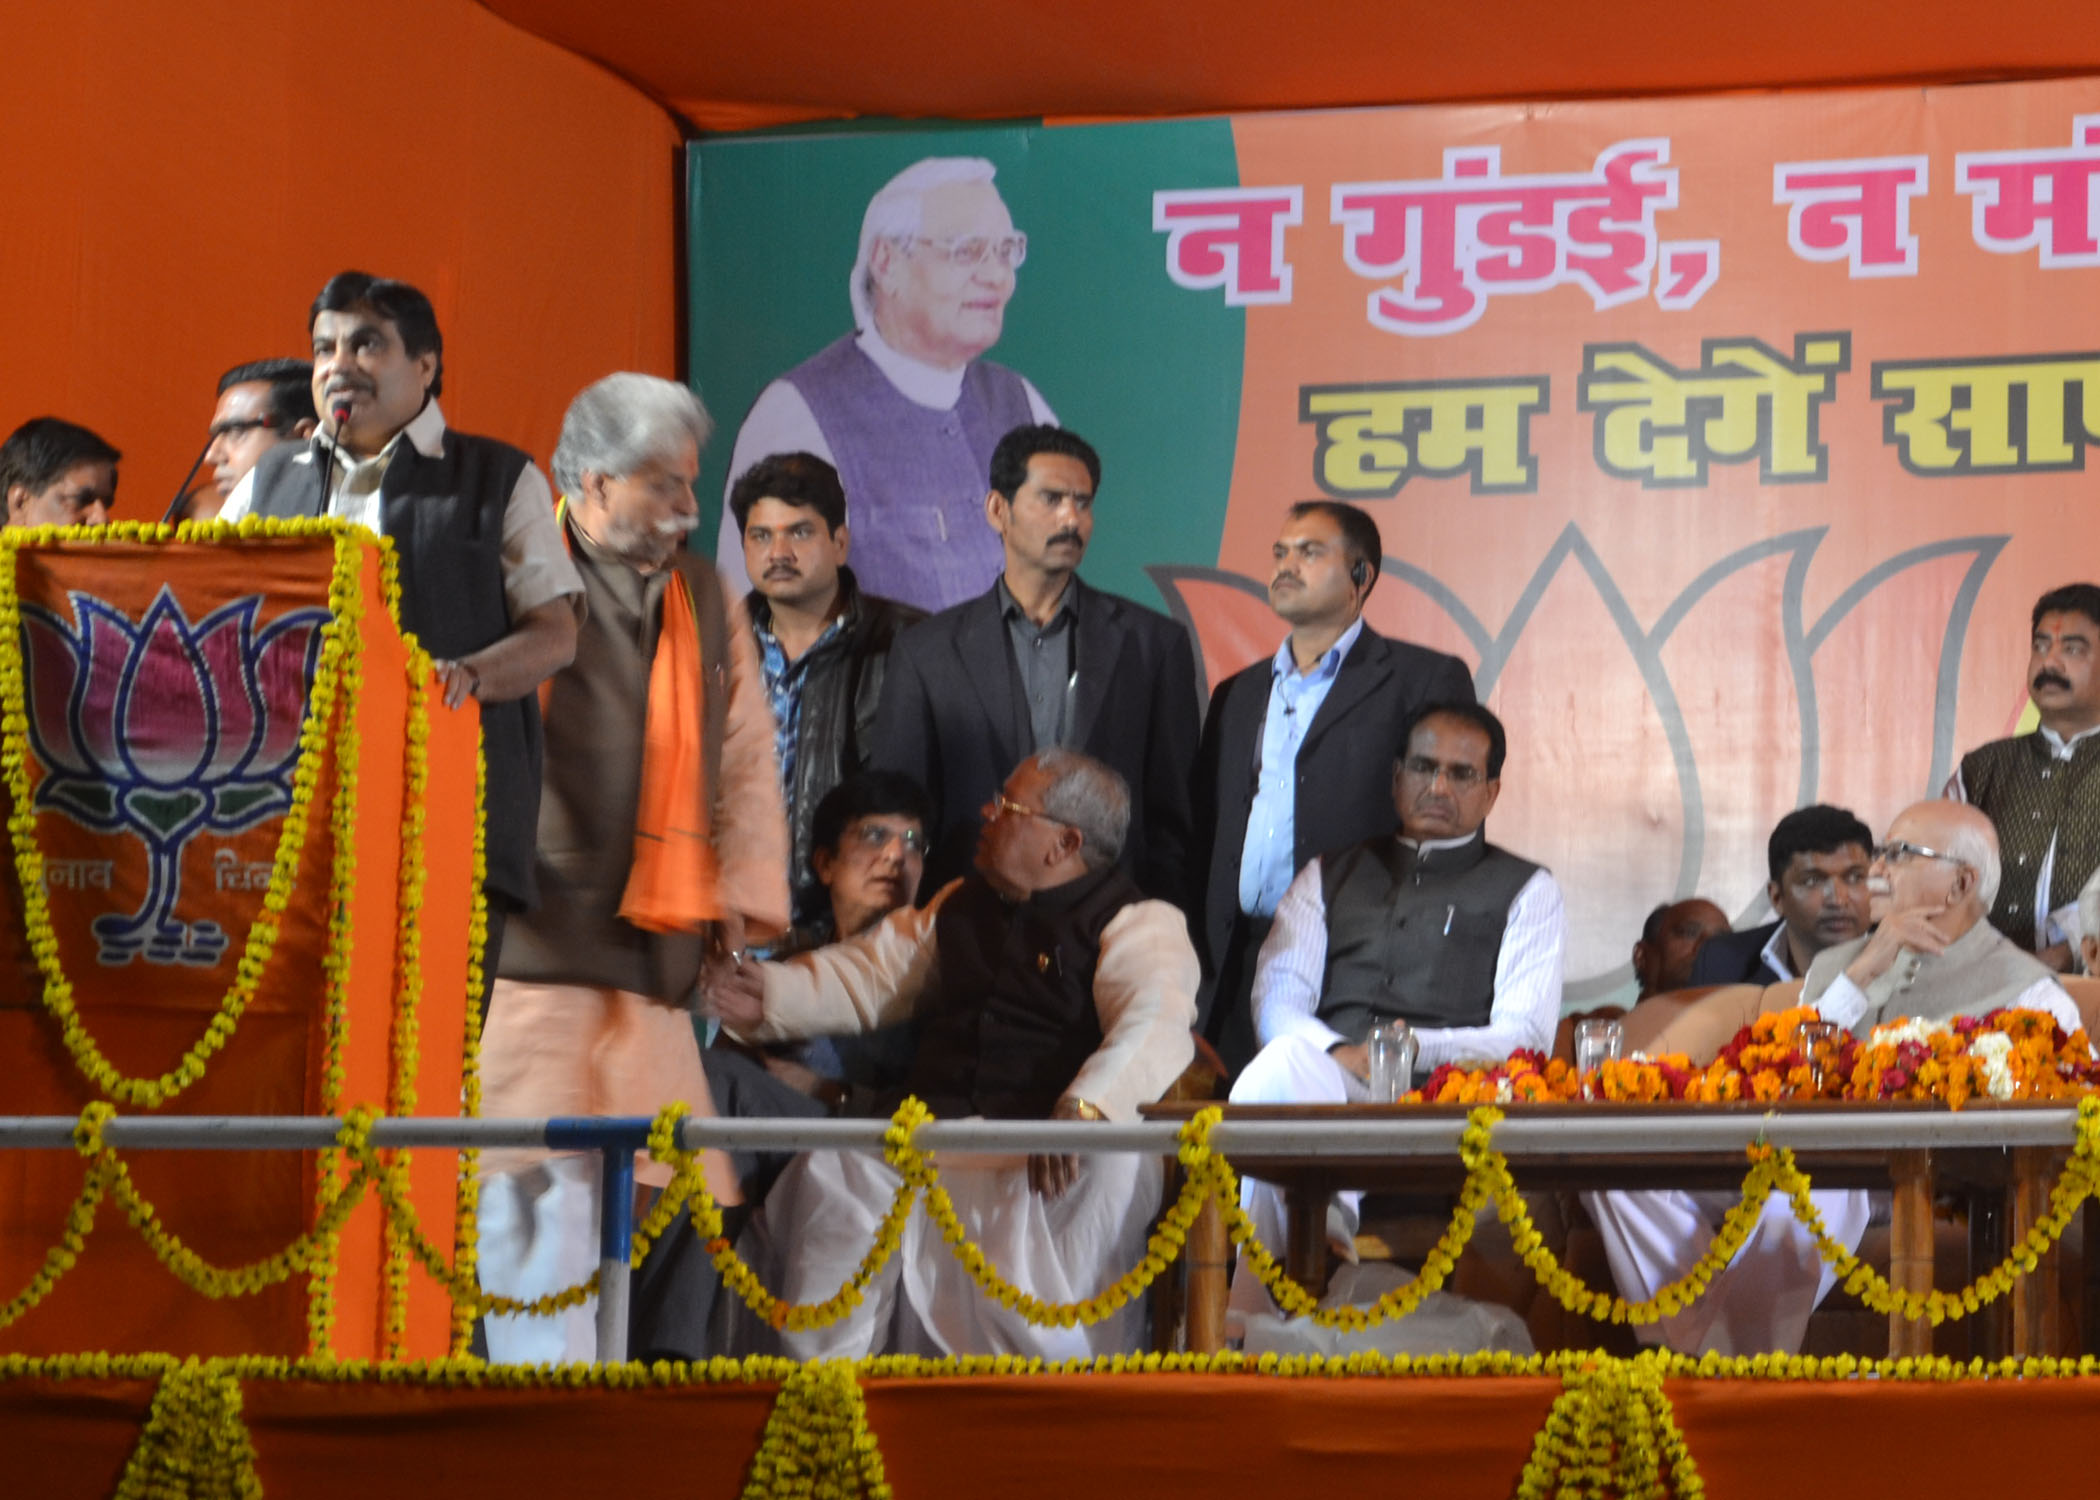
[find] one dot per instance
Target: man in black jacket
(1298, 750)
(821, 641)
(1041, 661)
(1818, 858)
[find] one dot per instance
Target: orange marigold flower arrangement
(1792, 1054)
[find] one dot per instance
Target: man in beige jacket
(589, 1014)
(1042, 985)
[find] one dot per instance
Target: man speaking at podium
(486, 584)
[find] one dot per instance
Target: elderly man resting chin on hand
(1043, 986)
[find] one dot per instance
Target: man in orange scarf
(660, 832)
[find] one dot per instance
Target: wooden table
(2007, 1189)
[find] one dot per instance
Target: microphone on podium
(340, 413)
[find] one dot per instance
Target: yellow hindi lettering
(1371, 439)
(2028, 413)
(1664, 426)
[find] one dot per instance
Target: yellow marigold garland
(303, 1253)
(816, 1440)
(465, 1221)
(2079, 1180)
(1611, 1429)
(405, 1043)
(1295, 1301)
(291, 842)
(80, 1220)
(329, 1184)
(195, 1445)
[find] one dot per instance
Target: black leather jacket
(839, 695)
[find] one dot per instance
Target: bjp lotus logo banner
(164, 730)
(1728, 440)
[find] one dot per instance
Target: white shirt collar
(1285, 662)
(2063, 748)
(1776, 954)
(1432, 846)
(921, 384)
(425, 433)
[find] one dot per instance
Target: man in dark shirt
(1040, 661)
(1818, 858)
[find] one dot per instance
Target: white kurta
(820, 1218)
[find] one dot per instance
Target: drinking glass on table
(1813, 1035)
(1596, 1043)
(1393, 1050)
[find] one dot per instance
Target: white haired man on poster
(906, 407)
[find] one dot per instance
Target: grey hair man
(1935, 957)
(906, 407)
(626, 462)
(1043, 984)
(589, 1010)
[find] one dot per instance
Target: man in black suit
(1818, 857)
(1298, 751)
(1039, 661)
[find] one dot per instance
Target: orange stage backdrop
(182, 178)
(1730, 440)
(165, 688)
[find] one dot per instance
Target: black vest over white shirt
(1415, 936)
(1011, 1019)
(445, 515)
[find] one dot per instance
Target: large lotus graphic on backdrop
(166, 728)
(1650, 757)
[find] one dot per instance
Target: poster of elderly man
(906, 407)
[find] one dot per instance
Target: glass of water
(1814, 1035)
(1596, 1043)
(1393, 1050)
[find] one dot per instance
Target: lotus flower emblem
(166, 729)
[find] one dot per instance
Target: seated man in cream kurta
(1933, 958)
(1042, 985)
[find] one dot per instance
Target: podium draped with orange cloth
(241, 878)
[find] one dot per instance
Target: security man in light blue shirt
(1298, 751)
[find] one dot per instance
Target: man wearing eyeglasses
(1044, 985)
(2041, 790)
(262, 404)
(1933, 958)
(906, 406)
(57, 473)
(823, 644)
(1433, 926)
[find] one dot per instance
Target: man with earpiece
(1298, 750)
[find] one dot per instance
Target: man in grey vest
(2042, 790)
(906, 407)
(1434, 926)
(1933, 958)
(486, 584)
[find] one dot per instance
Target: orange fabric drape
(672, 887)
